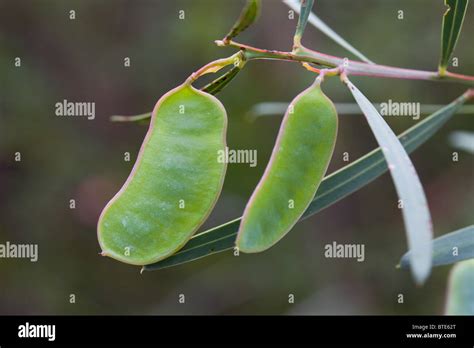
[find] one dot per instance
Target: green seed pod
(174, 183)
(297, 165)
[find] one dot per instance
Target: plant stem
(303, 54)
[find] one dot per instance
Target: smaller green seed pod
(299, 160)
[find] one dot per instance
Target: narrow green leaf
(278, 109)
(334, 187)
(462, 140)
(449, 248)
(451, 28)
(140, 119)
(416, 215)
(218, 84)
(304, 12)
(248, 15)
(206, 243)
(460, 297)
(326, 30)
(213, 88)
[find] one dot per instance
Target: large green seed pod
(297, 165)
(174, 183)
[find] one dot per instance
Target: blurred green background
(73, 158)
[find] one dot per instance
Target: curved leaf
(449, 248)
(335, 186)
(248, 15)
(218, 84)
(452, 24)
(416, 215)
(460, 297)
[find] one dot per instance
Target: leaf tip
(421, 270)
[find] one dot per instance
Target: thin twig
(303, 54)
